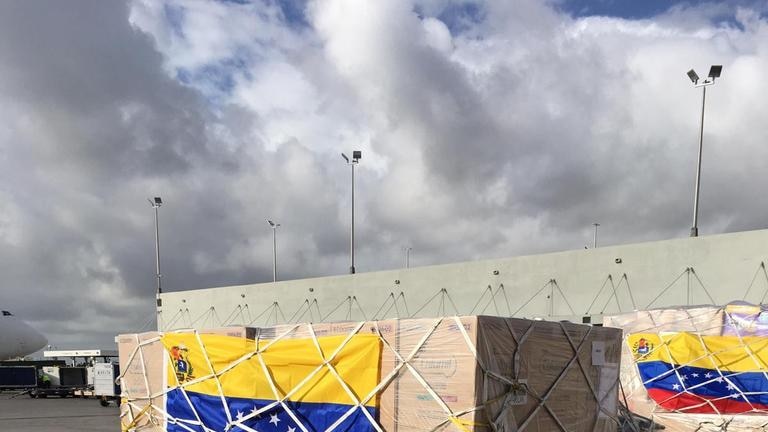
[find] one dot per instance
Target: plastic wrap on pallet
(697, 368)
(473, 373)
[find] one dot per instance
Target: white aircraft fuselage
(17, 338)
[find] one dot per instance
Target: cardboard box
(142, 362)
(445, 366)
(234, 331)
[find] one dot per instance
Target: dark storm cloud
(97, 83)
(94, 126)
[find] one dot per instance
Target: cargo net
(696, 368)
(457, 373)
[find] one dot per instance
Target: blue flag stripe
(704, 382)
(316, 417)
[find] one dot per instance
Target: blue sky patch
(293, 10)
(458, 17)
(644, 9)
(215, 80)
(616, 8)
(174, 16)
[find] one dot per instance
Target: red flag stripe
(692, 403)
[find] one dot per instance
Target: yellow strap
(462, 424)
(132, 424)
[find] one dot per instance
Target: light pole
(356, 156)
(714, 72)
(274, 249)
(156, 205)
(594, 240)
(408, 257)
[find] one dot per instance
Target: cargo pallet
(60, 392)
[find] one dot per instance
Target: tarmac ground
(54, 414)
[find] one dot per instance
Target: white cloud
(505, 131)
(437, 35)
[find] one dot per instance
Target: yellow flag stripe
(727, 353)
(288, 363)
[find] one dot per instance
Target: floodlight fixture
(345, 157)
(357, 155)
(693, 76)
(158, 201)
(714, 72)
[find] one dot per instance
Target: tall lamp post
(156, 203)
(356, 156)
(714, 72)
(594, 240)
(274, 249)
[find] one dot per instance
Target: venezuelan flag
(691, 373)
(245, 395)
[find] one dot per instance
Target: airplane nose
(19, 338)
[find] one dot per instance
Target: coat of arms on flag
(179, 354)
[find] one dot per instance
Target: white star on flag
(708, 375)
(273, 419)
(719, 379)
(239, 415)
(684, 377)
(675, 386)
(730, 387)
(291, 429)
(255, 410)
(695, 375)
(735, 395)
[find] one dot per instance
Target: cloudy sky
(488, 129)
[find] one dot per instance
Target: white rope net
(455, 373)
(701, 368)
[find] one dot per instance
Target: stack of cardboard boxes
(463, 373)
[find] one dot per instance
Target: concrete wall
(564, 285)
